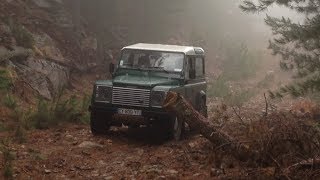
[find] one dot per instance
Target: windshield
(163, 61)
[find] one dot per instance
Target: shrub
(5, 80)
(2, 127)
(239, 98)
(238, 62)
(59, 110)
(267, 80)
(219, 88)
(7, 160)
(10, 102)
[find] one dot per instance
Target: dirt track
(73, 153)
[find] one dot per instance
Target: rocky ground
(72, 152)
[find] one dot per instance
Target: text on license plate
(133, 112)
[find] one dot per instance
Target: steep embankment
(41, 46)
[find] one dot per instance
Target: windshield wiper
(160, 68)
(133, 68)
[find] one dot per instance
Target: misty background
(211, 24)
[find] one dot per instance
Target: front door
(196, 79)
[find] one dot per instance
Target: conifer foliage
(298, 43)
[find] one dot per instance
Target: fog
(212, 24)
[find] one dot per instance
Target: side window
(192, 67)
(199, 67)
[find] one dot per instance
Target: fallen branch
(178, 105)
(305, 164)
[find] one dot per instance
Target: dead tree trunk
(177, 104)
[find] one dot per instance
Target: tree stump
(177, 104)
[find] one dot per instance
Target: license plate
(132, 112)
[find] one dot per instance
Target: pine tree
(298, 43)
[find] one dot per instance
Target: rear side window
(199, 66)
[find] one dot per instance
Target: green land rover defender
(140, 82)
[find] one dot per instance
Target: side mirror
(111, 68)
(192, 73)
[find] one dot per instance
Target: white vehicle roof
(188, 50)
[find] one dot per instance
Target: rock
(215, 172)
(109, 141)
(86, 153)
(108, 178)
(42, 75)
(161, 177)
(172, 171)
(192, 145)
(17, 53)
(88, 144)
(140, 151)
(102, 163)
(95, 174)
(69, 138)
(47, 171)
(152, 169)
(196, 174)
(46, 47)
(74, 143)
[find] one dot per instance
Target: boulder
(43, 76)
(89, 144)
(46, 47)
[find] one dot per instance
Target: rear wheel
(203, 108)
(100, 123)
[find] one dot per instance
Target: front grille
(130, 96)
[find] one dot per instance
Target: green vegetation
(37, 154)
(219, 88)
(7, 160)
(239, 98)
(10, 102)
(46, 114)
(296, 42)
(238, 64)
(5, 80)
(52, 113)
(266, 81)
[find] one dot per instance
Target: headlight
(157, 98)
(103, 94)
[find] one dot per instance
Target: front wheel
(178, 128)
(170, 127)
(100, 123)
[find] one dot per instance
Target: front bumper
(147, 112)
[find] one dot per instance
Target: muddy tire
(203, 108)
(169, 128)
(177, 129)
(100, 123)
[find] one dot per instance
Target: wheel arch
(202, 96)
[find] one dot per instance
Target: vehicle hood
(149, 81)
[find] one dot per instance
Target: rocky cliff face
(39, 42)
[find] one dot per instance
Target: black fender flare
(202, 96)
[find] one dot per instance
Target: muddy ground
(72, 152)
